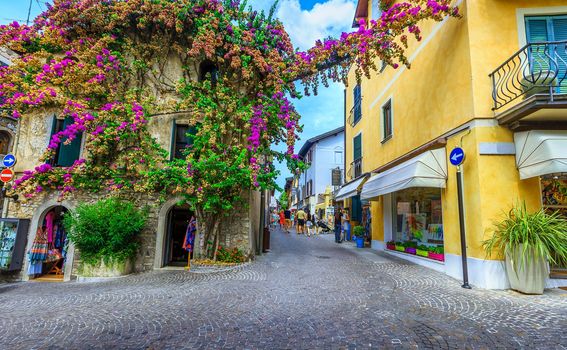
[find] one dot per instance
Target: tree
(105, 64)
(283, 201)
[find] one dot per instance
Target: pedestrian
(337, 220)
(315, 220)
(287, 214)
(282, 220)
(292, 223)
(346, 223)
(309, 226)
(301, 216)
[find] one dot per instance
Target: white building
(322, 153)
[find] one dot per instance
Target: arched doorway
(177, 221)
(50, 232)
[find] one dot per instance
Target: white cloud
(329, 18)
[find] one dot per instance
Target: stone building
(167, 222)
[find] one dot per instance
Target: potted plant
(422, 250)
(528, 242)
(106, 235)
(410, 247)
(391, 245)
(437, 253)
(400, 247)
(358, 232)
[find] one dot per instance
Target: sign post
(9, 160)
(457, 158)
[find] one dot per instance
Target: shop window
(554, 193)
(418, 216)
(387, 121)
(65, 154)
(181, 139)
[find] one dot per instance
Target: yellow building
(491, 83)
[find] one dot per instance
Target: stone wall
(235, 229)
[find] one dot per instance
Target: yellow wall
(447, 87)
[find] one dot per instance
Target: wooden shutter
(559, 26)
(537, 32)
(356, 212)
(68, 154)
(357, 147)
(357, 103)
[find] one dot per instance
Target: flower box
(400, 248)
(424, 253)
(436, 256)
(391, 246)
(410, 250)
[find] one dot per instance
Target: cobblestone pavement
(305, 294)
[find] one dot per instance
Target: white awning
(428, 169)
(350, 189)
(541, 152)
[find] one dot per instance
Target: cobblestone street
(304, 294)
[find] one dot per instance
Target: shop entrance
(554, 198)
(47, 257)
(177, 222)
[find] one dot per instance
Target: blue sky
(305, 21)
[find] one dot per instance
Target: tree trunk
(209, 224)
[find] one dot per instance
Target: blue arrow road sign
(457, 156)
(9, 160)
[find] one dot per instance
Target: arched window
(208, 70)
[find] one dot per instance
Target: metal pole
(262, 218)
(462, 227)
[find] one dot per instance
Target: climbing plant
(117, 66)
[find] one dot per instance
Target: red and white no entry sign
(6, 175)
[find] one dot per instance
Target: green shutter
(356, 208)
(537, 32)
(172, 145)
(559, 26)
(357, 147)
(191, 131)
(68, 154)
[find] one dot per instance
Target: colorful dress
(189, 241)
(38, 253)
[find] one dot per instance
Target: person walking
(282, 220)
(337, 220)
(301, 216)
(287, 214)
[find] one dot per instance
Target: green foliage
(358, 231)
(544, 234)
(234, 255)
(437, 250)
(283, 200)
(107, 230)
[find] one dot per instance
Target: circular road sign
(9, 160)
(457, 156)
(6, 175)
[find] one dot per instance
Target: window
(387, 121)
(357, 109)
(181, 139)
(208, 70)
(65, 155)
(356, 166)
(418, 216)
(338, 157)
(545, 58)
(356, 212)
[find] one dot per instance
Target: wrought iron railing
(537, 68)
(355, 113)
(355, 169)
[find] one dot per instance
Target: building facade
(492, 83)
(324, 155)
(163, 236)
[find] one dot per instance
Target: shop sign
(6, 175)
(9, 160)
(457, 156)
(336, 177)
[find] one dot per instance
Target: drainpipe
(260, 245)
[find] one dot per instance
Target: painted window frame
(389, 103)
(522, 13)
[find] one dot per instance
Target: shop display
(49, 248)
(13, 235)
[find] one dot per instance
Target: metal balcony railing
(355, 169)
(537, 68)
(355, 113)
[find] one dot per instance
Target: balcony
(530, 89)
(355, 113)
(355, 169)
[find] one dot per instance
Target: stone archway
(162, 230)
(39, 216)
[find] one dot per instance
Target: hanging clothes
(189, 240)
(38, 252)
(49, 218)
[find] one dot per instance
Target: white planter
(528, 276)
(112, 269)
